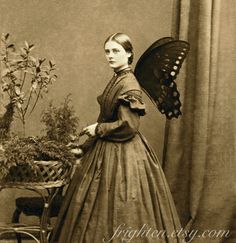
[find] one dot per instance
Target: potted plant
(24, 79)
(29, 159)
(24, 159)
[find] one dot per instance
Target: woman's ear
(129, 53)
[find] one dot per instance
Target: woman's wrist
(98, 130)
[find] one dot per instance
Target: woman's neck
(119, 70)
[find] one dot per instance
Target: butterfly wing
(156, 71)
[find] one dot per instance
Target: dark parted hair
(124, 41)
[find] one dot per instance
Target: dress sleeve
(89, 142)
(130, 108)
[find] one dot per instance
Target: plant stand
(48, 191)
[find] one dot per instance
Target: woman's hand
(89, 130)
(78, 152)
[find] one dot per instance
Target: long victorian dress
(119, 188)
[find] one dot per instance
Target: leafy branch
(24, 78)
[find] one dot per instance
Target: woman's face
(116, 55)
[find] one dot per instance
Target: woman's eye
(107, 51)
(115, 50)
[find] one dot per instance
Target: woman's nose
(111, 54)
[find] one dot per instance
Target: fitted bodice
(109, 99)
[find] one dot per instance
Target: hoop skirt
(119, 192)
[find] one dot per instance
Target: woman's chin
(112, 66)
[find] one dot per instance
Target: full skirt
(118, 194)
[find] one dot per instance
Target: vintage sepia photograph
(117, 121)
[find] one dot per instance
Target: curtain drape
(199, 155)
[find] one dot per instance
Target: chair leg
(15, 219)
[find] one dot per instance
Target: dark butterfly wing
(156, 71)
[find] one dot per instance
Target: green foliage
(25, 151)
(60, 122)
(24, 78)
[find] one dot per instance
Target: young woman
(119, 193)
